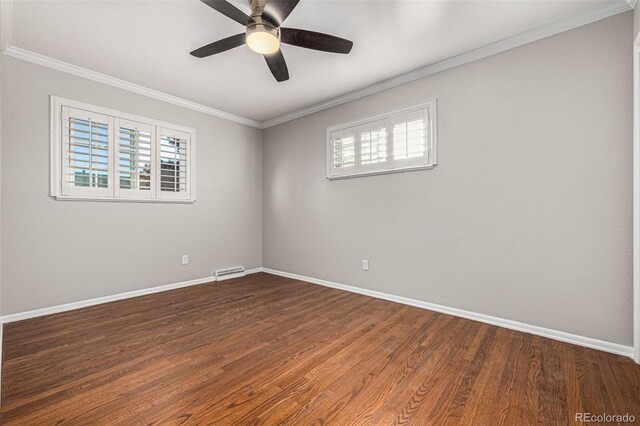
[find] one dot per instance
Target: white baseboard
(562, 336)
(105, 299)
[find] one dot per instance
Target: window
(397, 141)
(97, 154)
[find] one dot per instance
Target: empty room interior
(301, 212)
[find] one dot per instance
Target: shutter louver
(135, 158)
(174, 168)
(373, 144)
(86, 152)
(344, 152)
(409, 139)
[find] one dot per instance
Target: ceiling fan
(263, 34)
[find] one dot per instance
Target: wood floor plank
(275, 351)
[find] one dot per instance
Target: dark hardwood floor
(270, 350)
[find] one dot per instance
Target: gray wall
(527, 215)
(54, 252)
(636, 22)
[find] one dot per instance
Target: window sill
(122, 200)
(383, 172)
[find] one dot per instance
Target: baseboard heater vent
(225, 274)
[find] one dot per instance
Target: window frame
(114, 193)
(391, 165)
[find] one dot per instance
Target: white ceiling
(148, 43)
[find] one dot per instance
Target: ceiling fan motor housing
(257, 24)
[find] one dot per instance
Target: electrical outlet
(365, 265)
(185, 259)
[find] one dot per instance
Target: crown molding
(16, 52)
(473, 55)
(6, 12)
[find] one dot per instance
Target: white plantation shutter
(402, 140)
(86, 152)
(174, 164)
(410, 137)
(135, 157)
(99, 154)
(373, 144)
(343, 151)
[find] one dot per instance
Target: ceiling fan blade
(276, 11)
(314, 40)
(220, 46)
(278, 66)
(228, 10)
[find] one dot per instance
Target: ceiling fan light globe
(262, 37)
(263, 42)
